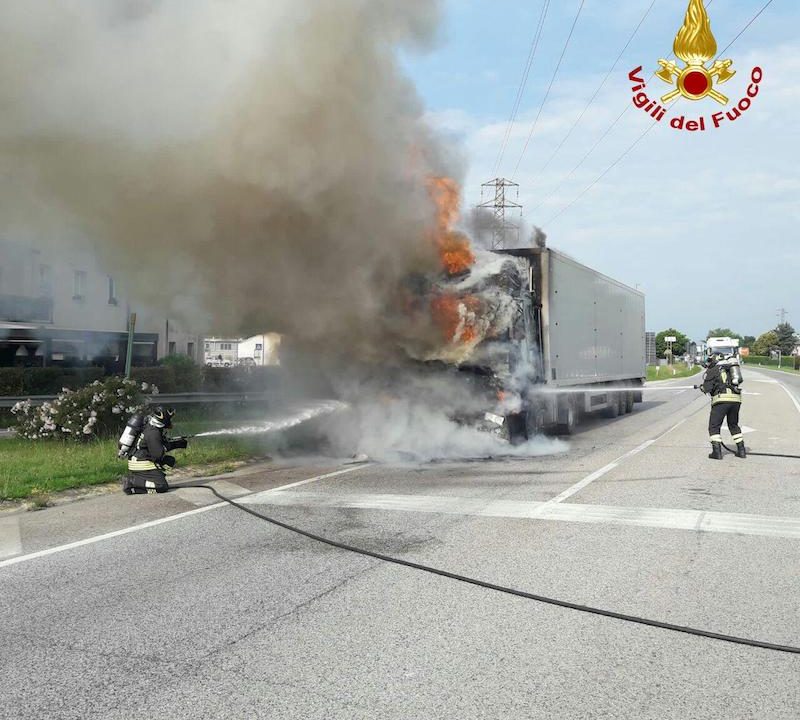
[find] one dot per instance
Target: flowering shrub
(98, 410)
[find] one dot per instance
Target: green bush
(98, 410)
(11, 381)
(162, 377)
(787, 361)
(187, 374)
(51, 380)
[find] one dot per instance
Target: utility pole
(129, 349)
(498, 204)
(781, 312)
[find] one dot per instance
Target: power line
(603, 174)
(523, 83)
(741, 32)
(647, 130)
(549, 87)
(600, 87)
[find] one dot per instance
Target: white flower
(93, 413)
(154, 390)
(144, 387)
(116, 410)
(87, 429)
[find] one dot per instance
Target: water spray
(301, 415)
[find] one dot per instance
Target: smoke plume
(264, 163)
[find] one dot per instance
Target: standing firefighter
(723, 380)
(147, 456)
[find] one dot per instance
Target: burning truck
(544, 339)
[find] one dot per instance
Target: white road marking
(745, 429)
(10, 542)
(267, 493)
(161, 521)
(578, 486)
(791, 395)
(666, 518)
(200, 497)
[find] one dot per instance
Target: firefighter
(148, 459)
(723, 384)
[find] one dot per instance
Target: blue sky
(705, 223)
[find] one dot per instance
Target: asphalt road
(173, 606)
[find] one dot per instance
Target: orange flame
(454, 248)
(456, 316)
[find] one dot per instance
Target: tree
(787, 338)
(723, 332)
(678, 347)
(748, 341)
(765, 342)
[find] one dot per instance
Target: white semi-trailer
(578, 346)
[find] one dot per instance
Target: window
(190, 350)
(112, 291)
(79, 285)
(208, 346)
(46, 280)
(171, 347)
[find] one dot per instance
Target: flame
(695, 43)
(454, 248)
(457, 317)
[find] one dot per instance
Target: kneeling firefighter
(146, 445)
(723, 381)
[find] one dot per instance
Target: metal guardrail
(7, 401)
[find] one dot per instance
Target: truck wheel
(629, 402)
(516, 427)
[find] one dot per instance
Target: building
(61, 308)
(260, 350)
(221, 352)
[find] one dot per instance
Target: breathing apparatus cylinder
(734, 371)
(131, 433)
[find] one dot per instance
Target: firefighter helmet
(162, 417)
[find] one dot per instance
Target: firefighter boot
(716, 450)
(740, 449)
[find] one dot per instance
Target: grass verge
(35, 469)
(669, 372)
(759, 366)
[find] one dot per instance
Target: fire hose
(762, 454)
(501, 588)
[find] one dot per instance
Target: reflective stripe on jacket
(139, 465)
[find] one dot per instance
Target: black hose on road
(500, 588)
(794, 457)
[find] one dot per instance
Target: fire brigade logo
(693, 78)
(695, 45)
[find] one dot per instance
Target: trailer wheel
(629, 402)
(613, 406)
(567, 417)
